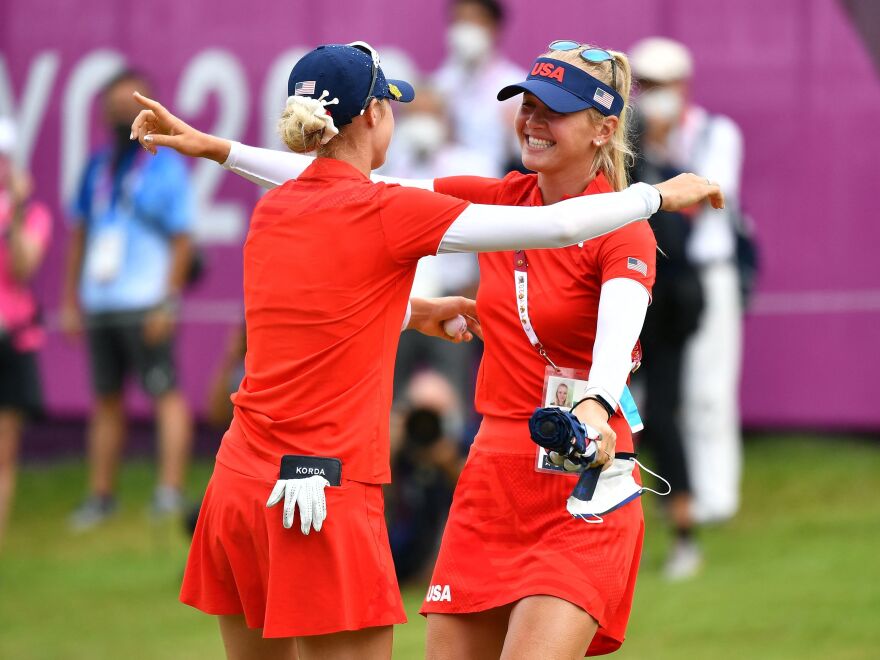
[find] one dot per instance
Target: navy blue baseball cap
(348, 72)
(565, 88)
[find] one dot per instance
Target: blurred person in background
(711, 144)
(473, 72)
(25, 230)
(424, 148)
(127, 262)
(676, 305)
(226, 380)
(426, 463)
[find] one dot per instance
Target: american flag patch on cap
(603, 98)
(306, 88)
(637, 265)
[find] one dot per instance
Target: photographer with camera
(418, 500)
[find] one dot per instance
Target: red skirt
(243, 561)
(509, 536)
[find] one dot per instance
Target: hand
(158, 325)
(428, 315)
(156, 127)
(686, 190)
(445, 455)
(70, 320)
(308, 493)
(592, 413)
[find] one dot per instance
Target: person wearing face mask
(25, 231)
(690, 138)
(473, 71)
(672, 318)
(423, 148)
(127, 260)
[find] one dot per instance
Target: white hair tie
(317, 107)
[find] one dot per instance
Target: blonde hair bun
(305, 123)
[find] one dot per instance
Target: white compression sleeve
(424, 184)
(622, 306)
(270, 168)
(484, 228)
(480, 227)
(265, 167)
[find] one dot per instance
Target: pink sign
(795, 75)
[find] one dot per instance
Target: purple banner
(794, 74)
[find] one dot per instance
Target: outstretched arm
(485, 228)
(480, 228)
(265, 167)
(156, 127)
(269, 167)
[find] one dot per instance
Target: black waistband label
(302, 467)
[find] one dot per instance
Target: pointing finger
(149, 103)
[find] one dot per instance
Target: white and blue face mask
(616, 487)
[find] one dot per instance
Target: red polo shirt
(328, 267)
(563, 295)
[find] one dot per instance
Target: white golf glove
(308, 493)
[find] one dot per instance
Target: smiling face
(567, 151)
(555, 142)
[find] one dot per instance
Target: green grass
(796, 575)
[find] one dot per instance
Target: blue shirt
(147, 200)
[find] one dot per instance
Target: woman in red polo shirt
(328, 263)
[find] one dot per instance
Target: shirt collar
(599, 184)
(332, 168)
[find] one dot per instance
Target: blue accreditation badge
(631, 411)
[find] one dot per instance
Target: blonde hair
(300, 129)
(615, 156)
(303, 132)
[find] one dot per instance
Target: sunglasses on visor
(374, 56)
(589, 54)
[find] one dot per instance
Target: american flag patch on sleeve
(306, 88)
(637, 265)
(603, 98)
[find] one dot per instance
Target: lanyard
(103, 200)
(521, 281)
